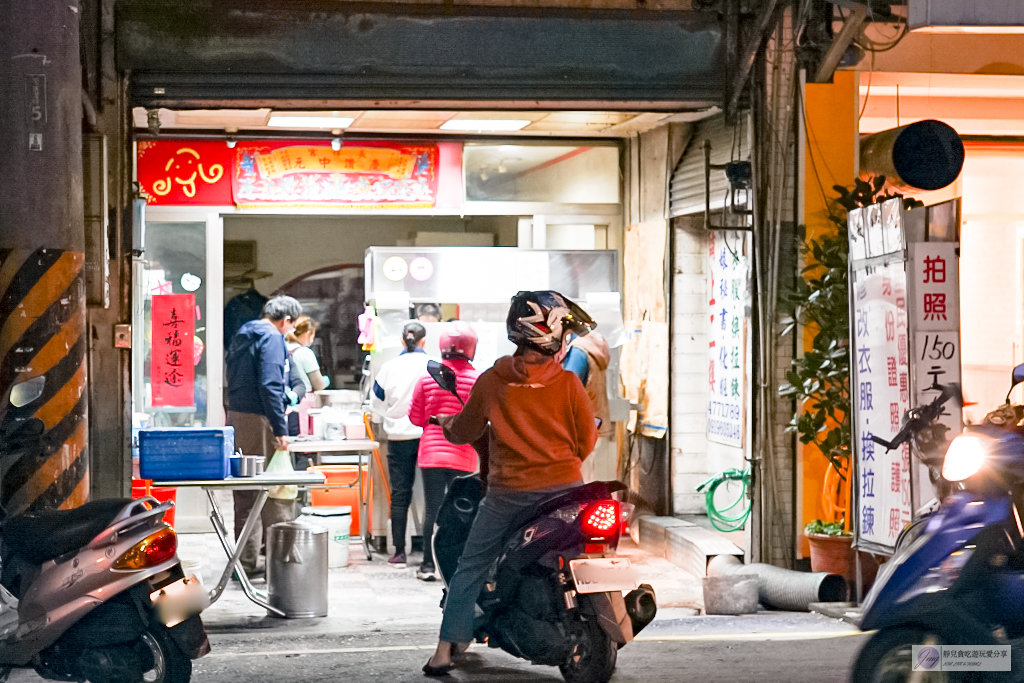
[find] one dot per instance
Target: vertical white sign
(935, 319)
(880, 395)
(727, 302)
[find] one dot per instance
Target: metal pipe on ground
(783, 588)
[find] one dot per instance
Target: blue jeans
(486, 539)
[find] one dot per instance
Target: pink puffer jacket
(430, 399)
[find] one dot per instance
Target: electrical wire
(867, 94)
(871, 46)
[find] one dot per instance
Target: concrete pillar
(42, 293)
(540, 233)
(525, 233)
(831, 149)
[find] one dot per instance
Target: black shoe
(437, 670)
(426, 572)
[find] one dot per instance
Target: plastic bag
(281, 461)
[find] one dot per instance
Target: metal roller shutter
(686, 189)
(200, 53)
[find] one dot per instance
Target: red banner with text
(172, 375)
(359, 174)
(296, 173)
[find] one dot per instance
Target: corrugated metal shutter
(686, 189)
(203, 54)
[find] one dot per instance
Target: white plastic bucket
(338, 521)
(191, 565)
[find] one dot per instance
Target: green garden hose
(727, 519)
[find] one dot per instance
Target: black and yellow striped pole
(42, 293)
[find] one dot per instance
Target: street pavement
(382, 625)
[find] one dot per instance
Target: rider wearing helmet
(439, 459)
(541, 427)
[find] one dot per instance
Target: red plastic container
(343, 475)
(144, 487)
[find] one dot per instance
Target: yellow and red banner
(295, 173)
(359, 174)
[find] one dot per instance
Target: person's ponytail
(412, 333)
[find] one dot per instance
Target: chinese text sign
(880, 395)
(172, 374)
(935, 318)
(727, 301)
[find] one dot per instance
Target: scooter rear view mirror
(1017, 377)
(25, 392)
(445, 378)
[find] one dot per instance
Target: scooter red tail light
(152, 551)
(600, 521)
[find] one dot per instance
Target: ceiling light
(336, 144)
(284, 121)
(232, 141)
(485, 124)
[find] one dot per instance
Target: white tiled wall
(694, 458)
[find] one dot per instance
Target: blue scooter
(957, 578)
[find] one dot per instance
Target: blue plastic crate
(176, 453)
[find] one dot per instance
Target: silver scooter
(95, 593)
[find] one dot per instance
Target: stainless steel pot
(250, 465)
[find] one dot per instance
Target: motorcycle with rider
(957, 575)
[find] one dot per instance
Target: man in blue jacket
(257, 377)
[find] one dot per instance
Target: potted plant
(832, 551)
(831, 547)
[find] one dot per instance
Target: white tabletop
(337, 446)
(260, 481)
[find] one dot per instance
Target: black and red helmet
(543, 319)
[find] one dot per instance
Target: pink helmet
(458, 340)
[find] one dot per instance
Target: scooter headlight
(965, 456)
(942, 577)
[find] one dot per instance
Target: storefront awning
(196, 53)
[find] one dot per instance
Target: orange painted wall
(831, 148)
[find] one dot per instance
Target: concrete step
(683, 543)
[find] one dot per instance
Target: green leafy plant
(827, 528)
(819, 380)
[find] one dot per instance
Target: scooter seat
(42, 535)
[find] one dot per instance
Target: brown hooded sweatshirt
(542, 423)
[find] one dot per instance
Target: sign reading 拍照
(172, 369)
(727, 302)
(880, 373)
(935, 322)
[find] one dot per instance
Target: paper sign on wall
(172, 374)
(727, 301)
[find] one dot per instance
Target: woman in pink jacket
(441, 461)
